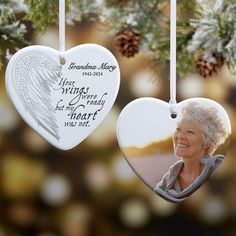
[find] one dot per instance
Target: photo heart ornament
(63, 102)
(157, 146)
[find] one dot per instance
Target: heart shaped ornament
(157, 147)
(63, 103)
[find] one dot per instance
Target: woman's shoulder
(211, 163)
(172, 173)
(219, 157)
(173, 170)
(176, 166)
(168, 180)
(216, 159)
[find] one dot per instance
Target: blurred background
(91, 190)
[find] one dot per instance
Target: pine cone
(127, 42)
(206, 68)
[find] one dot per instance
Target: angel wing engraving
(35, 75)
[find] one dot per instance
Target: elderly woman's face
(188, 139)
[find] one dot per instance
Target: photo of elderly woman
(198, 134)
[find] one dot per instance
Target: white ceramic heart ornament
(63, 103)
(157, 146)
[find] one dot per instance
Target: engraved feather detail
(35, 75)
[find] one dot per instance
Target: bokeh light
(97, 176)
(33, 141)
(101, 138)
(121, 171)
(74, 220)
(56, 190)
(213, 210)
(9, 120)
(22, 214)
(21, 176)
(186, 85)
(134, 213)
(142, 84)
(160, 206)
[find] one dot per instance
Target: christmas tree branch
(206, 30)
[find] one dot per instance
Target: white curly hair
(212, 125)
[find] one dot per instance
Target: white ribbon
(62, 30)
(173, 77)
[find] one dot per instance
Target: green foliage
(185, 59)
(11, 29)
(42, 13)
(214, 32)
(207, 28)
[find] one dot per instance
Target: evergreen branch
(205, 29)
(42, 13)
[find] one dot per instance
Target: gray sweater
(169, 187)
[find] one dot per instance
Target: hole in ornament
(62, 61)
(173, 115)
